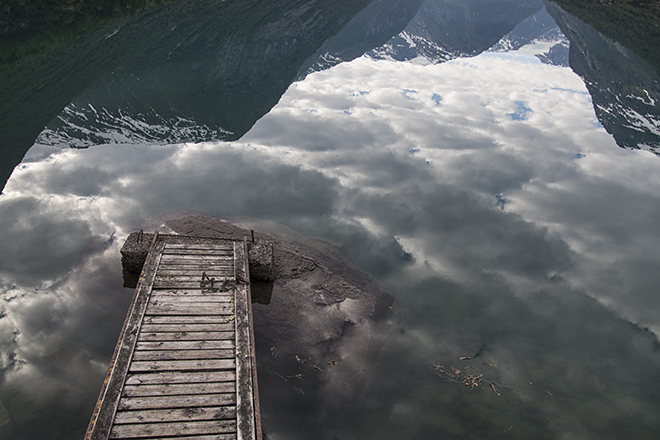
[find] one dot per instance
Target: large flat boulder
(319, 320)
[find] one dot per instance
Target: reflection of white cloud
(505, 122)
(455, 117)
(56, 342)
(392, 176)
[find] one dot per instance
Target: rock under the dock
(319, 324)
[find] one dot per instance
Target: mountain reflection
(182, 71)
(212, 83)
(625, 89)
(471, 177)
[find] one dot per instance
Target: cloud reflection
(476, 151)
(545, 286)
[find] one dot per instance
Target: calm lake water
(475, 177)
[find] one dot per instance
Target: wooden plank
(210, 300)
(210, 259)
(186, 401)
(204, 264)
(210, 264)
(216, 284)
(188, 277)
(256, 406)
(230, 436)
(197, 291)
(186, 319)
(173, 328)
(182, 355)
(209, 307)
(219, 253)
(178, 293)
(200, 258)
(218, 272)
(199, 247)
(148, 430)
(204, 245)
(174, 281)
(191, 365)
(180, 377)
(197, 266)
(212, 297)
(174, 284)
(168, 389)
(183, 309)
(186, 345)
(176, 415)
(104, 412)
(186, 336)
(245, 416)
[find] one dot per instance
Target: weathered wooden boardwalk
(184, 365)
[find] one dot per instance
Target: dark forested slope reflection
(624, 87)
(207, 80)
(185, 71)
(49, 52)
(631, 23)
(198, 71)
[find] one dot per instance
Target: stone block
(260, 257)
(134, 251)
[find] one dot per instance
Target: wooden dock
(184, 365)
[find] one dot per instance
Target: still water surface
(481, 191)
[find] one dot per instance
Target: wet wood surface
(184, 364)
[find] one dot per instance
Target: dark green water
(475, 178)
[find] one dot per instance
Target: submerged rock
(317, 316)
